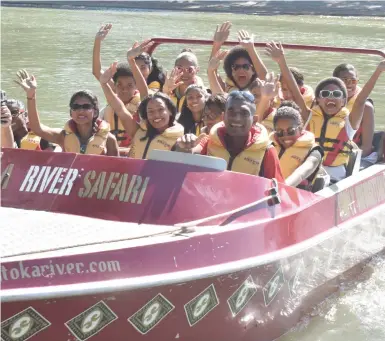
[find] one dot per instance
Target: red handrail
(159, 41)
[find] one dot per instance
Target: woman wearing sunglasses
(333, 125)
(158, 128)
(84, 133)
(299, 155)
(241, 64)
(364, 135)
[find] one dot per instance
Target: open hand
(246, 40)
(106, 76)
(222, 33)
(270, 86)
(173, 80)
(215, 61)
(27, 82)
(275, 51)
(6, 117)
(137, 49)
(103, 32)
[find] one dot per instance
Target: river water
(56, 46)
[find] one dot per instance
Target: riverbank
(333, 8)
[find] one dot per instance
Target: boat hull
(251, 280)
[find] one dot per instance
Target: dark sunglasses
(246, 67)
(82, 106)
(288, 132)
(331, 94)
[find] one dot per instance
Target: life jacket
(330, 133)
(96, 144)
(178, 98)
(115, 123)
(250, 160)
(154, 86)
(268, 120)
(291, 158)
(230, 86)
(30, 141)
(164, 141)
(307, 93)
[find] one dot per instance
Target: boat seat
(188, 159)
(354, 162)
(321, 180)
(379, 144)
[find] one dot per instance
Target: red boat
(173, 248)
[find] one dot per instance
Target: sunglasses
(248, 96)
(82, 106)
(189, 69)
(288, 132)
(331, 94)
(246, 67)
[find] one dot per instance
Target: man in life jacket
(365, 133)
(245, 146)
(126, 90)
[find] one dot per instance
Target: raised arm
(212, 74)
(7, 140)
(275, 51)
(29, 84)
(220, 36)
(96, 55)
(269, 89)
(357, 112)
(173, 80)
(129, 124)
(132, 53)
(247, 42)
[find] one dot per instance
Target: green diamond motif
(91, 321)
(151, 314)
(24, 325)
(272, 288)
(242, 296)
(201, 305)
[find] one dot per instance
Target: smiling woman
(84, 133)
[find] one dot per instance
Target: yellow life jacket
(165, 141)
(230, 85)
(351, 101)
(154, 86)
(179, 99)
(307, 94)
(249, 161)
(30, 141)
(96, 144)
(290, 159)
(330, 134)
(268, 120)
(115, 123)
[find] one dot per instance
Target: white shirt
(339, 172)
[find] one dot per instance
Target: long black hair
(151, 131)
(156, 74)
(186, 118)
(94, 101)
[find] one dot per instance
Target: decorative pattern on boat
(273, 287)
(151, 314)
(23, 326)
(201, 305)
(91, 321)
(238, 300)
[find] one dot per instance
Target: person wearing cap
(245, 146)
